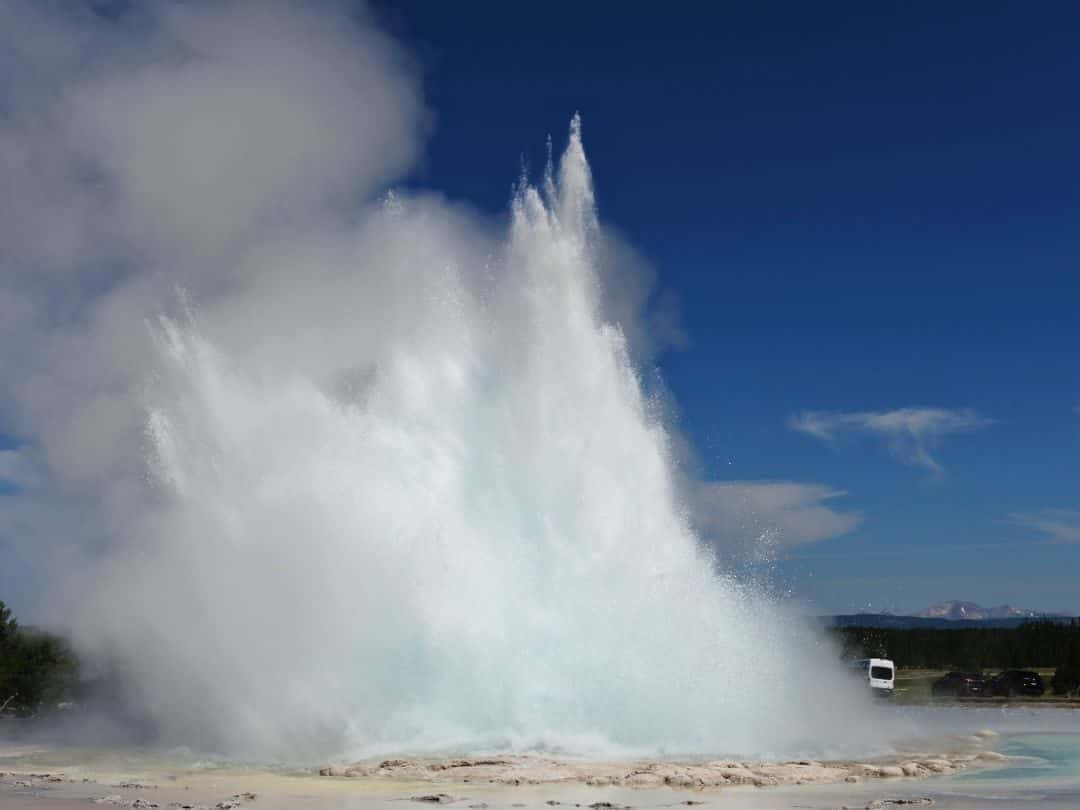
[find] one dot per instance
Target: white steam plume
(379, 476)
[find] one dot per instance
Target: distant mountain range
(946, 614)
(969, 611)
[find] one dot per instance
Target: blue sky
(861, 208)
(869, 215)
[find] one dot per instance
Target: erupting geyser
(406, 490)
(471, 539)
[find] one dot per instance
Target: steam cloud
(326, 470)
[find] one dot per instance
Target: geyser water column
(468, 536)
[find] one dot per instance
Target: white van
(880, 673)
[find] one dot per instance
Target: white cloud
(1056, 525)
(760, 518)
(911, 433)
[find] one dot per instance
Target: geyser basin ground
(1037, 764)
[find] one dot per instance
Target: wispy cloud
(1056, 525)
(912, 434)
(757, 518)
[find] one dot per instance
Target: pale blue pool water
(1044, 758)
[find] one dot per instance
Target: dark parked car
(958, 684)
(1015, 682)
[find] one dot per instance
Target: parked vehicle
(879, 672)
(1014, 682)
(959, 684)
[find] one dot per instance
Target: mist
(323, 468)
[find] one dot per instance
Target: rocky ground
(518, 780)
(529, 769)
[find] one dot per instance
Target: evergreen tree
(1030, 645)
(1067, 676)
(8, 627)
(35, 668)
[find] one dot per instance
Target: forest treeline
(1035, 644)
(36, 669)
